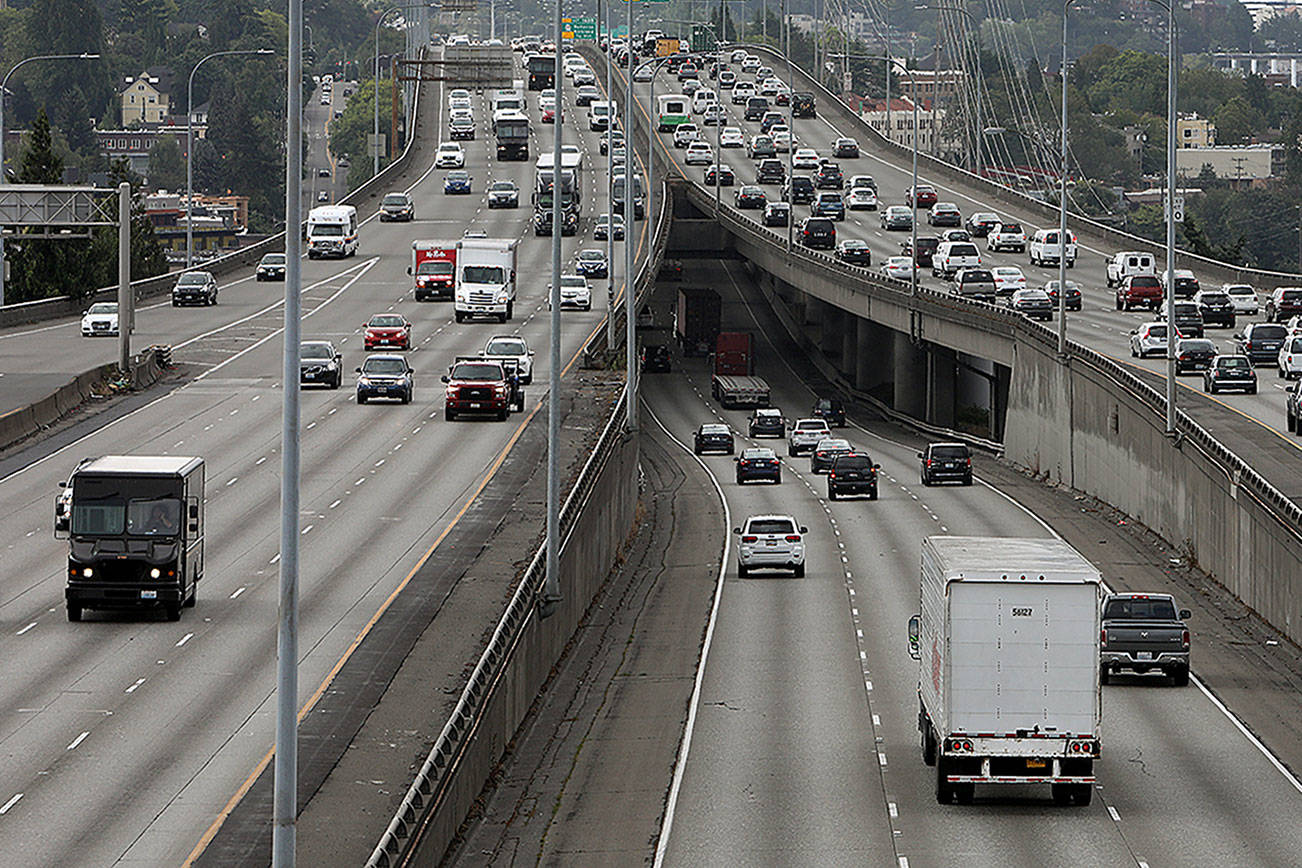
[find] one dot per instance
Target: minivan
(703, 97)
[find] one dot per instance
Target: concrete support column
(999, 410)
(942, 385)
(831, 342)
(910, 369)
(874, 357)
(850, 347)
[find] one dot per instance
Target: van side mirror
(409, 269)
(915, 626)
(1185, 614)
(358, 370)
(63, 483)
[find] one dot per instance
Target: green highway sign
(585, 28)
(703, 38)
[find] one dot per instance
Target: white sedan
(898, 267)
(1008, 279)
(805, 158)
(699, 154)
(450, 156)
(731, 137)
(861, 199)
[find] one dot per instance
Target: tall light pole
(4, 86)
(976, 75)
(1062, 197)
(610, 174)
(189, 147)
(551, 596)
(1172, 58)
(285, 774)
(630, 315)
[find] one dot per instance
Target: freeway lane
(805, 739)
(123, 737)
(1098, 326)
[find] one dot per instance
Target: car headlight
(363, 381)
(330, 366)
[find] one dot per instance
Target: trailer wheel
(1083, 794)
(928, 745)
(964, 793)
(1062, 793)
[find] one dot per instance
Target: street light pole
(189, 148)
(610, 176)
(375, 138)
(4, 85)
(1171, 60)
(1062, 198)
(551, 596)
(630, 315)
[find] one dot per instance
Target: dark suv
(818, 232)
(942, 461)
(767, 422)
(927, 245)
(802, 105)
(1283, 303)
(1188, 318)
(852, 473)
(830, 409)
(756, 106)
(1261, 341)
(770, 172)
(829, 177)
(799, 190)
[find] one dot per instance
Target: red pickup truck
(477, 385)
(1139, 290)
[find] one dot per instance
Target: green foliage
(40, 164)
(348, 134)
(1237, 121)
(167, 164)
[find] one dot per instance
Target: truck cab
(135, 534)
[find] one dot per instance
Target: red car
(925, 198)
(387, 330)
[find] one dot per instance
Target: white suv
(771, 542)
(1045, 249)
(514, 347)
(950, 256)
(805, 435)
(450, 156)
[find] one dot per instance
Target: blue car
(457, 182)
(828, 205)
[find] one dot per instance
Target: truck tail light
(969, 462)
(1184, 638)
(958, 744)
(1083, 747)
(1103, 637)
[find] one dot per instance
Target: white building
(901, 121)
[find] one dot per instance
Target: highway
(803, 744)
(1099, 325)
(123, 737)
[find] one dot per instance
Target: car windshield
(1213, 298)
(473, 371)
(1196, 345)
(948, 453)
(574, 280)
(505, 347)
(395, 199)
(195, 279)
(1148, 610)
(274, 259)
(833, 445)
(458, 176)
(771, 525)
(811, 425)
(384, 366)
(714, 429)
(429, 267)
(963, 250)
(504, 186)
(387, 321)
(1240, 290)
(316, 351)
(758, 453)
(592, 256)
(771, 414)
(104, 307)
(1157, 331)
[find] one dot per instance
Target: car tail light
(793, 537)
(1247, 345)
(831, 474)
(928, 462)
(750, 539)
(969, 462)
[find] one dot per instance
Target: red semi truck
(696, 320)
(734, 383)
(433, 268)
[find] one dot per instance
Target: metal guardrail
(428, 790)
(1124, 240)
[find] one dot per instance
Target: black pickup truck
(1144, 632)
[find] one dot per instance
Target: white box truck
(1007, 639)
(485, 282)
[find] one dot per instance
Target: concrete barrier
(23, 422)
(1087, 230)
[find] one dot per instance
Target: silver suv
(805, 435)
(771, 542)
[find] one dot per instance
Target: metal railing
(430, 787)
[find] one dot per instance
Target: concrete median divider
(99, 382)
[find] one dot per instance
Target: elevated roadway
(124, 738)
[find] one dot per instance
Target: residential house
(146, 98)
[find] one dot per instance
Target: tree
(1237, 121)
(167, 164)
(40, 164)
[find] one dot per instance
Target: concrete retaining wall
(1088, 231)
(586, 559)
(23, 422)
(1083, 426)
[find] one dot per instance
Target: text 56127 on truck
(1008, 683)
(433, 269)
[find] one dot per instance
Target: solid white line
(893, 810)
(237, 592)
(685, 745)
(78, 740)
(9, 804)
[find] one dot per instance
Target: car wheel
(799, 571)
(406, 397)
(831, 493)
(778, 480)
(194, 596)
(742, 571)
(925, 480)
(361, 399)
(1252, 391)
(1104, 675)
(173, 611)
(1180, 676)
(790, 450)
(459, 316)
(175, 303)
(74, 612)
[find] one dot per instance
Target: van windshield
(112, 516)
(429, 267)
(327, 229)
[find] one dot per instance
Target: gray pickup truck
(1143, 632)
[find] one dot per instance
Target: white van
(703, 97)
(1045, 250)
(600, 114)
(1130, 263)
(332, 231)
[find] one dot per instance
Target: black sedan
(854, 252)
(980, 223)
(822, 455)
(845, 148)
(767, 422)
(852, 473)
(713, 437)
(1073, 299)
(1193, 354)
(321, 363)
(655, 360)
(272, 267)
(758, 463)
(750, 197)
(1230, 372)
(726, 176)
